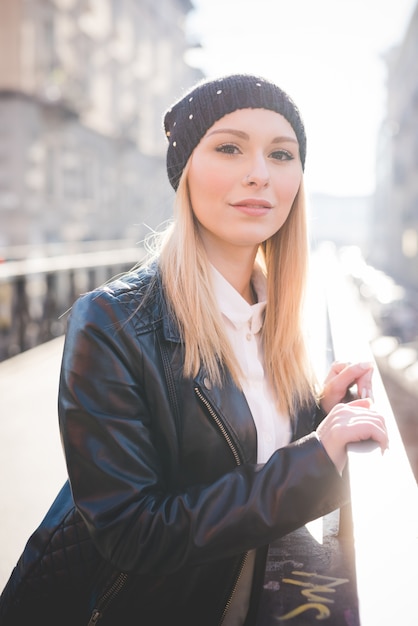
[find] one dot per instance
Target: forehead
(251, 121)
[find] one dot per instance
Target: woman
(190, 419)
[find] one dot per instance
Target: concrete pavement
(32, 467)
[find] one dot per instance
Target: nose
(259, 175)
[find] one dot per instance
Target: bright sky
(327, 54)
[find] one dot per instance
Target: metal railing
(358, 565)
(35, 293)
(384, 494)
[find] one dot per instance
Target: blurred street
(31, 461)
(405, 408)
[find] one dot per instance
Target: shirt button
(248, 336)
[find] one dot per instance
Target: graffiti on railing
(315, 590)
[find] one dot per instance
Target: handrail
(67, 262)
(49, 249)
(36, 292)
(384, 494)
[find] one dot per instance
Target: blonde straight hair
(186, 280)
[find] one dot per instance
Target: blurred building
(394, 234)
(83, 87)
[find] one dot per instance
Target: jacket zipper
(107, 598)
(228, 604)
(234, 451)
(219, 424)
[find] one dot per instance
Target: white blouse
(243, 323)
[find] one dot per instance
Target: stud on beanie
(190, 117)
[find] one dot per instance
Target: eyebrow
(243, 135)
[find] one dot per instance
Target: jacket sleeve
(116, 474)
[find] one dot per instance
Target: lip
(253, 206)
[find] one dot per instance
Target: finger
(361, 422)
(335, 369)
(338, 366)
(364, 382)
(364, 387)
(359, 374)
(371, 428)
(364, 403)
(357, 370)
(361, 414)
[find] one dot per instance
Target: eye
(282, 155)
(228, 148)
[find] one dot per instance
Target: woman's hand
(349, 423)
(341, 377)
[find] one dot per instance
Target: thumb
(365, 403)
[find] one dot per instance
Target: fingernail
(367, 393)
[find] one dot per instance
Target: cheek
(288, 187)
(206, 183)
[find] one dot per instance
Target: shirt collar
(234, 307)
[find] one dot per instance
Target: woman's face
(243, 178)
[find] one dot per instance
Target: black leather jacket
(163, 468)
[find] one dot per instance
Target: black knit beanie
(190, 117)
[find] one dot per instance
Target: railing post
(21, 310)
